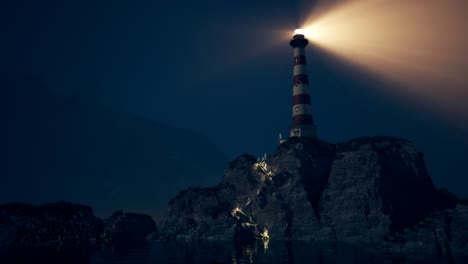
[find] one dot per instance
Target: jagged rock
(458, 229)
(250, 181)
(127, 227)
(287, 205)
(374, 191)
(376, 186)
(201, 213)
(441, 233)
(55, 225)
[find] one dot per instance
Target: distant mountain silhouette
(62, 148)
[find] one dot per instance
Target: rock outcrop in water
(127, 227)
(371, 191)
(55, 225)
(66, 226)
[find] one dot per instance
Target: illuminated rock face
(372, 191)
(288, 204)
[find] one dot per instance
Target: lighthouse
(302, 120)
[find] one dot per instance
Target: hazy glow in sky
(419, 45)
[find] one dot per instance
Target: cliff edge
(374, 191)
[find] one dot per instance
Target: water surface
(219, 252)
(229, 252)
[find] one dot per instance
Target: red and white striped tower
(302, 120)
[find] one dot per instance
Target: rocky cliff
(64, 226)
(372, 191)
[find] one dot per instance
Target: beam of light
(420, 45)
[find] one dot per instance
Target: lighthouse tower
(302, 120)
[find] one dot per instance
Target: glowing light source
(234, 212)
(308, 32)
(299, 32)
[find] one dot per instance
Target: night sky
(214, 68)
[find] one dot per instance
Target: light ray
(422, 45)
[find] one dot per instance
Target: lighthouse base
(303, 131)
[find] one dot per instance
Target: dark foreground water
(220, 252)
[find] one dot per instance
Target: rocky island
(371, 191)
(374, 192)
(66, 227)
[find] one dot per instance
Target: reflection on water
(273, 252)
(218, 252)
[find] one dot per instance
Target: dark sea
(219, 252)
